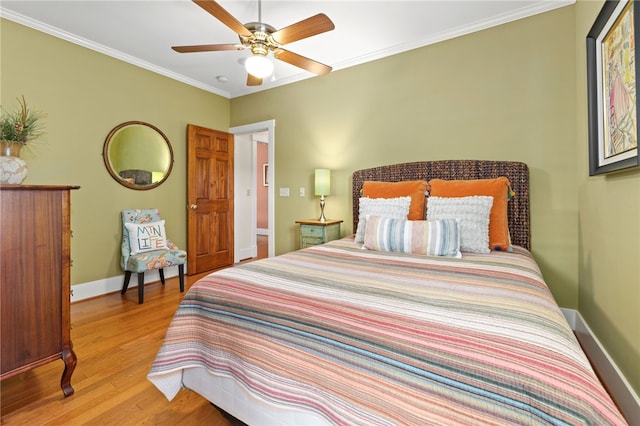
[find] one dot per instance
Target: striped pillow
(433, 238)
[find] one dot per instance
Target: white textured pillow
(146, 236)
(396, 208)
(473, 213)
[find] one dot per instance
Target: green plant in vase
(18, 129)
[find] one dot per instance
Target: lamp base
(322, 218)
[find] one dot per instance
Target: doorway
(246, 193)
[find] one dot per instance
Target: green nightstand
(314, 232)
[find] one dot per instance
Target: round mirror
(138, 155)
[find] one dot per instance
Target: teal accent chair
(150, 259)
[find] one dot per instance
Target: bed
(338, 334)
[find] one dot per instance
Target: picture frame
(612, 74)
(265, 174)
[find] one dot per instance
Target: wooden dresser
(35, 279)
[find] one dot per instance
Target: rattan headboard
(517, 173)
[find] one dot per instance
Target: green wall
(514, 92)
(506, 93)
(609, 234)
(86, 94)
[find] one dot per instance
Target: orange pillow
(497, 188)
(413, 188)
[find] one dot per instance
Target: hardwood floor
(116, 341)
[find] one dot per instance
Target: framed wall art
(612, 73)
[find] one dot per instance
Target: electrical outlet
(301, 191)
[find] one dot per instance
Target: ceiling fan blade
(207, 48)
(314, 25)
(302, 62)
(253, 81)
(223, 16)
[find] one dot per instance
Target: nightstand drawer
(312, 231)
(310, 241)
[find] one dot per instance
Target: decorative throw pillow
(413, 188)
(473, 213)
(397, 208)
(433, 238)
(498, 188)
(146, 236)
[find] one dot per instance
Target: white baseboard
(111, 285)
(245, 253)
(615, 382)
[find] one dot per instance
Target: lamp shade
(259, 66)
(323, 182)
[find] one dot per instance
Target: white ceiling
(142, 32)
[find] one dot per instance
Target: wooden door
(210, 198)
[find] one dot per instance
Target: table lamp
(323, 187)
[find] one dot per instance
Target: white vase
(13, 169)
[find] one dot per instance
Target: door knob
(193, 206)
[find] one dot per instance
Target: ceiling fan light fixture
(259, 66)
(263, 39)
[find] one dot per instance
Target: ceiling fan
(262, 38)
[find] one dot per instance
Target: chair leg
(161, 271)
(140, 288)
(125, 285)
(181, 274)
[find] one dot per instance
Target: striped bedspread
(374, 338)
